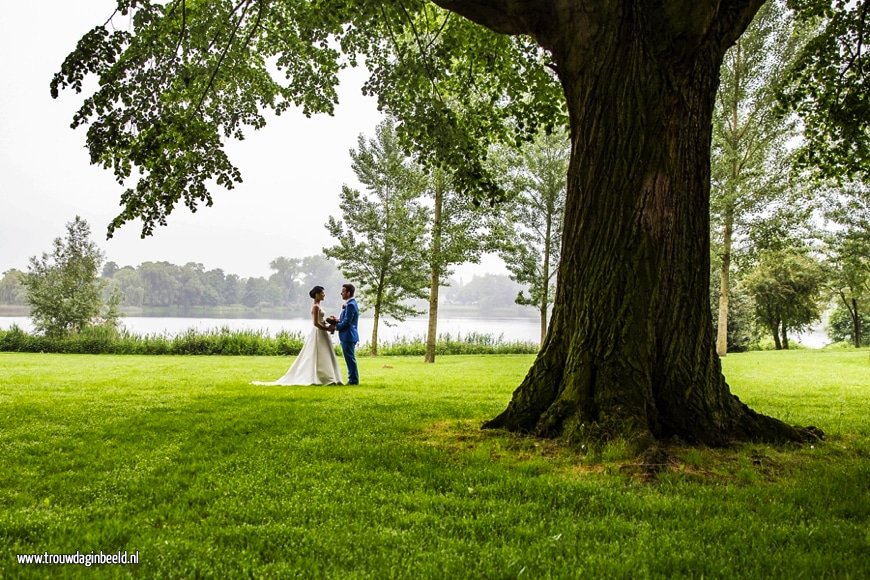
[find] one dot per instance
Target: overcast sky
(293, 169)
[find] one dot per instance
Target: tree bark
(784, 336)
(432, 336)
(630, 352)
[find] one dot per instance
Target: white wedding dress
(316, 363)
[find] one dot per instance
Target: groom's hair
(350, 288)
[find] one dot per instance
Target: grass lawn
(180, 459)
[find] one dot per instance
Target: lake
(508, 329)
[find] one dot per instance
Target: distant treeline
(169, 288)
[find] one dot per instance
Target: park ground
(178, 458)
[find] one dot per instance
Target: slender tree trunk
(432, 335)
(377, 315)
(630, 350)
(725, 284)
(725, 272)
(852, 307)
(784, 336)
(377, 318)
(545, 291)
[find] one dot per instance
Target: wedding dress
(316, 363)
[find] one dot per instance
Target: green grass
(205, 475)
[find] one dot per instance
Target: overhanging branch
(502, 16)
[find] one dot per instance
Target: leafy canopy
(829, 87)
(187, 75)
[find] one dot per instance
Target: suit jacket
(347, 322)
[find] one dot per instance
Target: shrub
(105, 339)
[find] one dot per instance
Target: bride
(316, 363)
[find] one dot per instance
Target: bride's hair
(315, 290)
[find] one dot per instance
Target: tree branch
(502, 16)
(183, 26)
(223, 55)
(734, 17)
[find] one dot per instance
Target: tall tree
(456, 237)
(528, 237)
(629, 351)
(380, 238)
(848, 252)
(749, 159)
(63, 288)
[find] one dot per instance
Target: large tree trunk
(784, 336)
(630, 351)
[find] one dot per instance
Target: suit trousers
(349, 351)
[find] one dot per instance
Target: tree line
(788, 240)
(163, 285)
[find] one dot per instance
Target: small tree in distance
(380, 243)
(787, 288)
(63, 288)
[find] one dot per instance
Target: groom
(347, 332)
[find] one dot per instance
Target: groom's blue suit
(348, 337)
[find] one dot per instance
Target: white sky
(293, 169)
